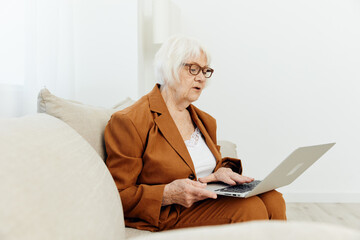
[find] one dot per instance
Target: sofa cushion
(260, 230)
(88, 121)
(53, 184)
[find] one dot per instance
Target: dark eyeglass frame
(204, 70)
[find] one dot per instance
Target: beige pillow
(88, 121)
(53, 184)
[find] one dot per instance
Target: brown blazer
(146, 151)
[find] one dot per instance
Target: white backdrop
(106, 57)
(286, 75)
(286, 72)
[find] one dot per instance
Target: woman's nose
(200, 76)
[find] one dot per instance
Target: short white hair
(171, 56)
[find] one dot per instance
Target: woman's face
(190, 86)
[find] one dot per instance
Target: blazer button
(191, 177)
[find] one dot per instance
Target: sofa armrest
(227, 149)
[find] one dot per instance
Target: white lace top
(203, 159)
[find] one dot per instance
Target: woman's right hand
(185, 192)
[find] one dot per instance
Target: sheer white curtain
(86, 50)
(36, 50)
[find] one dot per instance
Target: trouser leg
(275, 204)
(221, 211)
(224, 210)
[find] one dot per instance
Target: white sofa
(54, 183)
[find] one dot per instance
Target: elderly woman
(162, 151)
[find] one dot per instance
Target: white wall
(157, 20)
(106, 51)
(286, 75)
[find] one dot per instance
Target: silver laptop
(290, 169)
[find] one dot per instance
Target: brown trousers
(223, 210)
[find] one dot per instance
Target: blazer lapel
(168, 127)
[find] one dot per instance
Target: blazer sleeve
(124, 148)
(233, 163)
(229, 162)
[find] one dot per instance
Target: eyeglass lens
(195, 70)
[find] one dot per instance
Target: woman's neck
(173, 102)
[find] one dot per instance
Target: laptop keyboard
(241, 188)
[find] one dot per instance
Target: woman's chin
(194, 97)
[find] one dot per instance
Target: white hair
(171, 56)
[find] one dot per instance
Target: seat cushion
(260, 230)
(133, 232)
(53, 184)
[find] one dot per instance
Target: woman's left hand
(227, 176)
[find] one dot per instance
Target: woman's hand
(227, 176)
(185, 192)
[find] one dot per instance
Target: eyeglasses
(194, 69)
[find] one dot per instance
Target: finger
(248, 179)
(198, 189)
(209, 178)
(228, 180)
(197, 184)
(226, 177)
(203, 194)
(240, 178)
